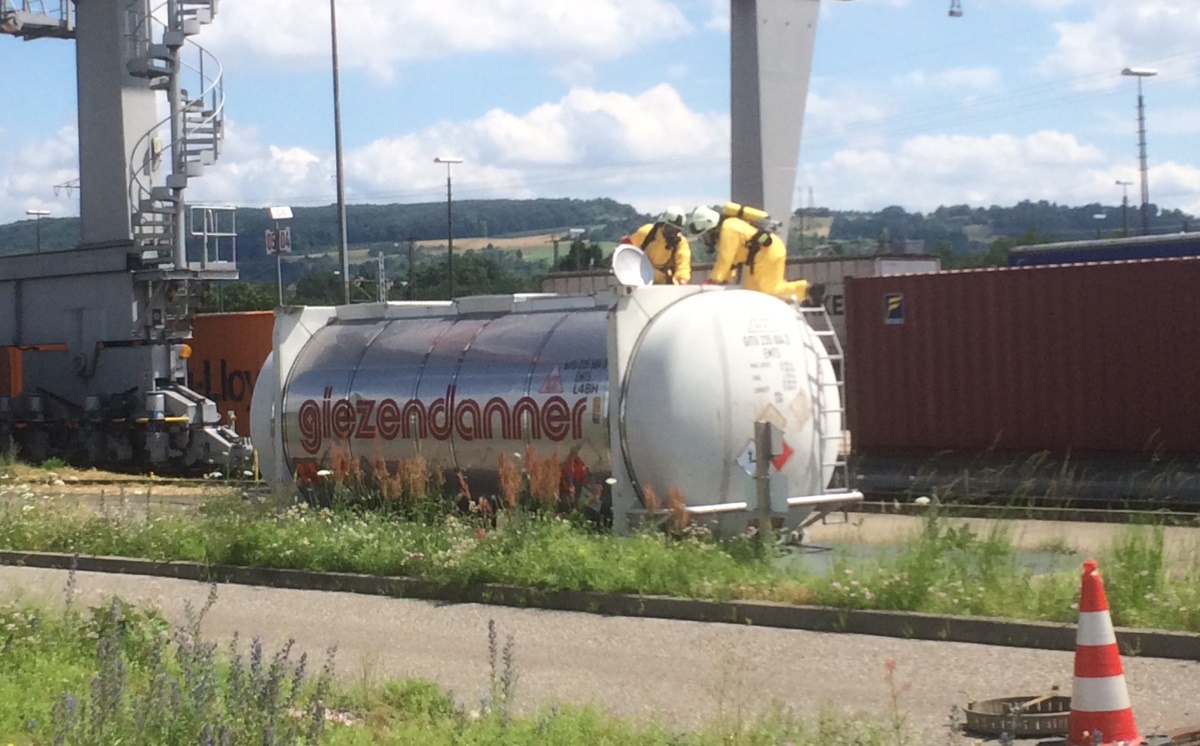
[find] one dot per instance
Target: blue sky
(629, 99)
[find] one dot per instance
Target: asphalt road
(683, 673)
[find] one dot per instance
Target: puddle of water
(819, 558)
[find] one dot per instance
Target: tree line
(961, 235)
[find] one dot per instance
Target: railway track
(1077, 510)
(1064, 510)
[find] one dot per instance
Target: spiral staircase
(165, 53)
(136, 406)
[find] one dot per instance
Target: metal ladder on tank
(817, 319)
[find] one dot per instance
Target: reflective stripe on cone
(1099, 697)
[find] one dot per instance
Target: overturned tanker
(637, 390)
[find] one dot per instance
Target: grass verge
(947, 569)
(117, 674)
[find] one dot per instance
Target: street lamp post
(449, 161)
(38, 215)
(1124, 206)
(343, 250)
(1098, 217)
(1139, 73)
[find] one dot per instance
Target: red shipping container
(228, 351)
(1080, 359)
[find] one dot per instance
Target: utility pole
(37, 216)
(381, 289)
(449, 161)
(1124, 206)
(1139, 73)
(410, 290)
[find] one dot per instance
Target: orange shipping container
(1072, 359)
(228, 351)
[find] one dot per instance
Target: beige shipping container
(831, 271)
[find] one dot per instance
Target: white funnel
(631, 266)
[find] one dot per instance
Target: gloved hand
(816, 294)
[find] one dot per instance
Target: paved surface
(1182, 542)
(683, 673)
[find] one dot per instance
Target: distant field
(533, 248)
(503, 244)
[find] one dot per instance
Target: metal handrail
(211, 86)
(37, 7)
(24, 18)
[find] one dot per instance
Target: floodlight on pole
(38, 215)
(449, 161)
(1124, 205)
(1139, 73)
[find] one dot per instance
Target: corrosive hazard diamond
(553, 383)
(784, 455)
(748, 457)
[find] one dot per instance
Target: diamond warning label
(553, 383)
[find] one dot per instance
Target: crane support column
(115, 110)
(771, 48)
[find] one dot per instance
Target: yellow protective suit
(670, 267)
(733, 242)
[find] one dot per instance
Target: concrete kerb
(908, 625)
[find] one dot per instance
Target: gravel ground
(683, 673)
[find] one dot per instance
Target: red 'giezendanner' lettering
(387, 418)
(556, 419)
(366, 428)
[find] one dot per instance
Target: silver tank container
(459, 390)
(657, 387)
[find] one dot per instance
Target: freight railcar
(1085, 371)
(1168, 246)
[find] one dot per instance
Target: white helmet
(702, 219)
(673, 215)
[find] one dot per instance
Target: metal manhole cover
(1020, 717)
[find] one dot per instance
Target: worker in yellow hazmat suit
(666, 247)
(738, 243)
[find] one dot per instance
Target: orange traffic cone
(1100, 709)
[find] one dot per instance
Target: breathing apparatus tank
(745, 212)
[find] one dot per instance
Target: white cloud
(588, 143)
(848, 115)
(32, 168)
(719, 20)
(1176, 184)
(927, 171)
(592, 143)
(1147, 33)
(376, 36)
(251, 172)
